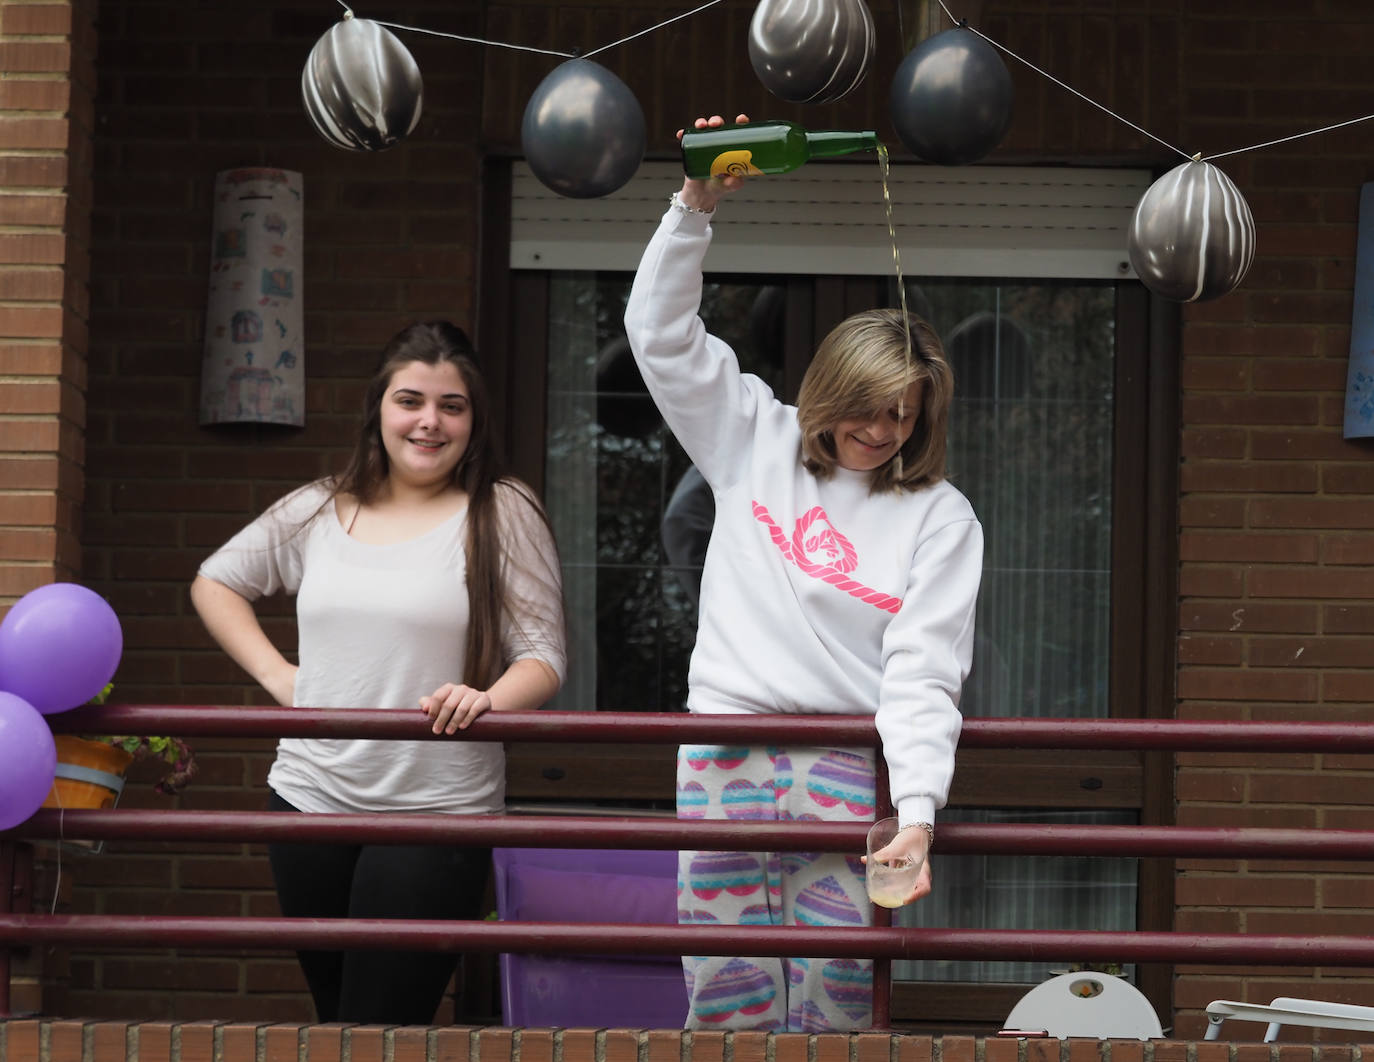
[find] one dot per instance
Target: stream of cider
(885, 168)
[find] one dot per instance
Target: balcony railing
(882, 942)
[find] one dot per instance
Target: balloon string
(541, 51)
(475, 40)
(1070, 88)
(1286, 139)
(632, 36)
(61, 840)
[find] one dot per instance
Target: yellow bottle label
(738, 163)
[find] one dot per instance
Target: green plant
(1114, 969)
(178, 761)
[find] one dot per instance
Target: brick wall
(115, 1041)
(47, 54)
(1276, 509)
(1277, 531)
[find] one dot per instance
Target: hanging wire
(348, 13)
(632, 36)
(528, 48)
(1070, 88)
(476, 40)
(1286, 139)
(1197, 157)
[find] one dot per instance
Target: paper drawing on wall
(254, 322)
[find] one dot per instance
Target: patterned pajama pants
(775, 888)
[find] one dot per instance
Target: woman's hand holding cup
(897, 865)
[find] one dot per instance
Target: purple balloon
(59, 646)
(28, 760)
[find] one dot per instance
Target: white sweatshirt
(380, 627)
(817, 596)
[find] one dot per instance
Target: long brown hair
(476, 474)
(863, 366)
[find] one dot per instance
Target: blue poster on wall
(1359, 382)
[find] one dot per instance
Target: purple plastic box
(589, 885)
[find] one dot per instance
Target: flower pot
(90, 774)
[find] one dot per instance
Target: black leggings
(377, 881)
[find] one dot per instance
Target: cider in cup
(889, 883)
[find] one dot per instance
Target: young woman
(424, 582)
(841, 577)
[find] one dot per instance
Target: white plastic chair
(1086, 1004)
(1288, 1010)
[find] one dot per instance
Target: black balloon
(583, 131)
(811, 51)
(951, 98)
(362, 88)
(1192, 235)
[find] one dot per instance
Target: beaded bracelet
(676, 202)
(928, 827)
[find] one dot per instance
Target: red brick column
(47, 56)
(47, 53)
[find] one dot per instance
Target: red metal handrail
(534, 831)
(881, 943)
(1042, 945)
(671, 728)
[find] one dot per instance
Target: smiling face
(426, 422)
(865, 443)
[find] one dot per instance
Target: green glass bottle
(756, 148)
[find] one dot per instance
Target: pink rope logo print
(839, 552)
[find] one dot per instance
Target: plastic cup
(889, 883)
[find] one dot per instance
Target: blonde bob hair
(862, 368)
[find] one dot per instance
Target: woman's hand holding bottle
(704, 195)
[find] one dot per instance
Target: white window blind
(828, 217)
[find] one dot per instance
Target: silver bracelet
(928, 827)
(676, 203)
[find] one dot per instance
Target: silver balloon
(361, 87)
(583, 130)
(1192, 236)
(811, 51)
(951, 98)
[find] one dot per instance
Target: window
(619, 491)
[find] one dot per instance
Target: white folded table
(1286, 1010)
